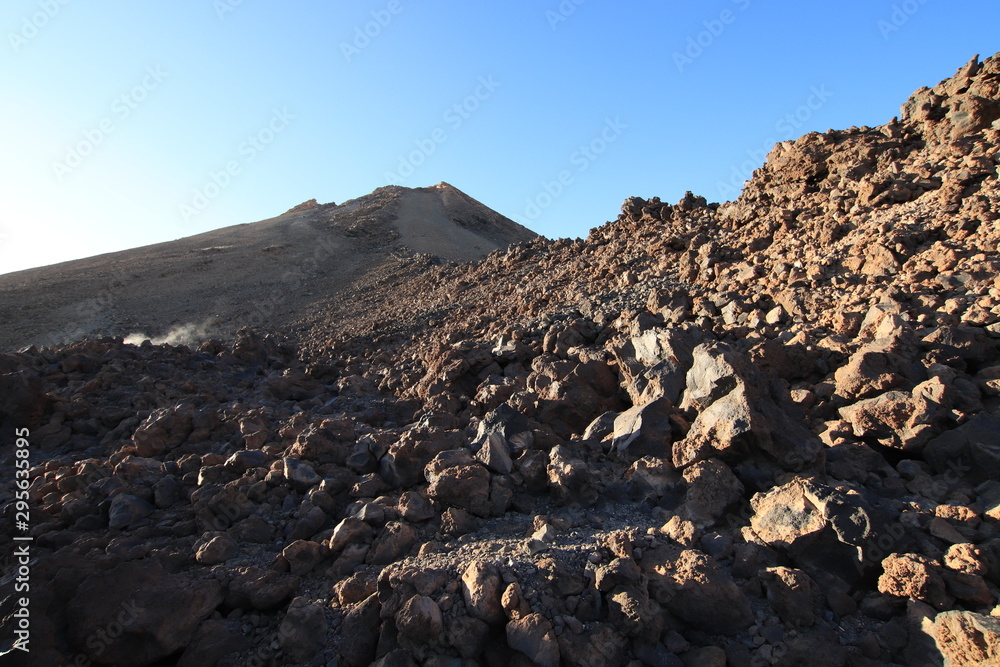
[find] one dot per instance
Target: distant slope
(264, 274)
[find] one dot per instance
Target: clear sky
(125, 123)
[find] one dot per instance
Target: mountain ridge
(216, 280)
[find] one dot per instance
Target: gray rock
(970, 451)
(739, 417)
(300, 474)
(215, 548)
(302, 632)
(644, 430)
(495, 454)
(601, 427)
(821, 528)
(127, 509)
(655, 363)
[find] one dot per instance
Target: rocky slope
(757, 433)
(263, 274)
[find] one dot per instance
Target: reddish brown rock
(966, 639)
(695, 590)
(481, 589)
(914, 576)
(534, 636)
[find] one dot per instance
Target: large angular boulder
(965, 638)
(570, 479)
(302, 632)
(535, 637)
(644, 430)
(694, 589)
(260, 589)
(655, 363)
(22, 399)
(359, 633)
(823, 529)
(404, 462)
(458, 481)
(158, 613)
(738, 417)
(881, 365)
(898, 419)
(481, 590)
(712, 488)
(164, 429)
(970, 451)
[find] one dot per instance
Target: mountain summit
(262, 274)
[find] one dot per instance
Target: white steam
(185, 334)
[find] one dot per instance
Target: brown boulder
(260, 589)
(158, 612)
(695, 590)
(535, 637)
(481, 589)
(570, 479)
(914, 576)
(303, 556)
(302, 632)
(879, 366)
(822, 528)
(966, 639)
(215, 548)
(712, 487)
(359, 633)
(458, 482)
(597, 645)
(393, 542)
(420, 620)
(165, 429)
(213, 641)
(791, 594)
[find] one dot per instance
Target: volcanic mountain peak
(265, 274)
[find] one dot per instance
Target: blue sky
(129, 123)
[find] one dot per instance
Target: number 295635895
(21, 453)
